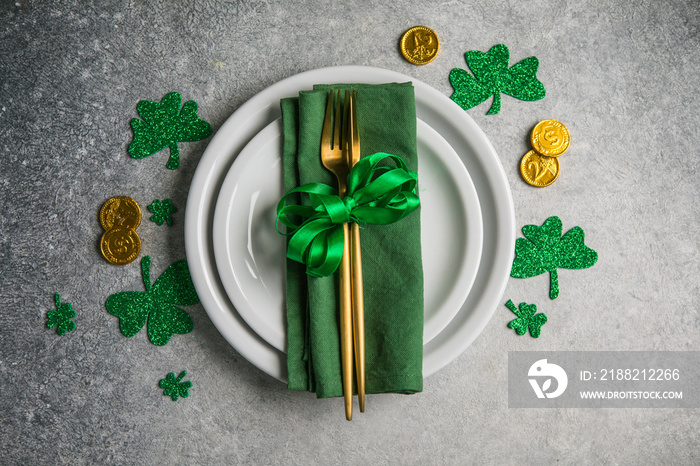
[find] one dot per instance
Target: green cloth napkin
(391, 254)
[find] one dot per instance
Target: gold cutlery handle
(358, 305)
(346, 330)
(346, 327)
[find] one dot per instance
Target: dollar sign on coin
(120, 216)
(120, 245)
(420, 45)
(538, 170)
(550, 138)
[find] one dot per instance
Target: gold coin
(120, 245)
(550, 138)
(120, 210)
(538, 170)
(420, 45)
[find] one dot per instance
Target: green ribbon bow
(377, 195)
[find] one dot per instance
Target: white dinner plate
(437, 111)
(250, 253)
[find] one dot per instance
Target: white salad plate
(250, 253)
(257, 337)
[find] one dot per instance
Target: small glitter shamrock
(173, 387)
(527, 319)
(61, 317)
(162, 211)
(164, 124)
(544, 249)
(491, 76)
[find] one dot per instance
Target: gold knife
(353, 155)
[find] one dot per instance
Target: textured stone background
(624, 77)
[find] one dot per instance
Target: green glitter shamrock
(173, 387)
(157, 304)
(527, 319)
(492, 76)
(164, 124)
(544, 249)
(162, 211)
(61, 317)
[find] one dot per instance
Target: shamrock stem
(496, 105)
(58, 301)
(181, 376)
(146, 272)
(553, 284)
(174, 160)
(512, 307)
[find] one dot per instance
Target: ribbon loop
(377, 195)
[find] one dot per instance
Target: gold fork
(333, 158)
(352, 142)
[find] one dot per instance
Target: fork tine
(336, 129)
(346, 127)
(326, 134)
(355, 136)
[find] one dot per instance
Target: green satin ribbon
(377, 195)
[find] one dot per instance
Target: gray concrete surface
(624, 77)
